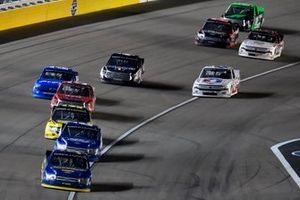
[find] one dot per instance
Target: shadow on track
(284, 31)
(212, 47)
(115, 117)
(107, 141)
(121, 157)
(252, 95)
(106, 102)
(111, 187)
(149, 85)
(288, 58)
(159, 86)
(60, 24)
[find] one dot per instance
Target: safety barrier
(47, 10)
(86, 6)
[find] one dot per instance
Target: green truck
(247, 17)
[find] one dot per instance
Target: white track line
(270, 71)
(145, 1)
(127, 133)
(284, 162)
(130, 131)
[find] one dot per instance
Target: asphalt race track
(210, 149)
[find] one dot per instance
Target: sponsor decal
(234, 89)
(79, 140)
(296, 153)
(68, 171)
(74, 7)
(212, 80)
(52, 89)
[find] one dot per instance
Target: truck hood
(216, 34)
(76, 98)
(48, 82)
(81, 143)
(236, 16)
(69, 172)
(122, 69)
(213, 81)
(256, 43)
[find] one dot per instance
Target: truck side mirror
(48, 152)
(237, 73)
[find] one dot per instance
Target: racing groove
(209, 149)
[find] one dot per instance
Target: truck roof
(218, 67)
(266, 31)
(125, 55)
(219, 19)
(241, 4)
(59, 68)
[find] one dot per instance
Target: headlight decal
(50, 177)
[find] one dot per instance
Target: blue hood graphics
(212, 80)
(81, 143)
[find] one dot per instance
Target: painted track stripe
(270, 71)
(145, 1)
(127, 133)
(72, 195)
(284, 162)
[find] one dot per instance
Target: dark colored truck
(217, 32)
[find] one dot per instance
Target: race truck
(246, 16)
(74, 93)
(82, 137)
(63, 114)
(46, 85)
(217, 32)
(217, 81)
(123, 68)
(262, 44)
(66, 170)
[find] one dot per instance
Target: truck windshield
(66, 161)
(240, 10)
(262, 37)
(52, 74)
(75, 89)
(216, 73)
(83, 133)
(218, 27)
(123, 61)
(71, 115)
